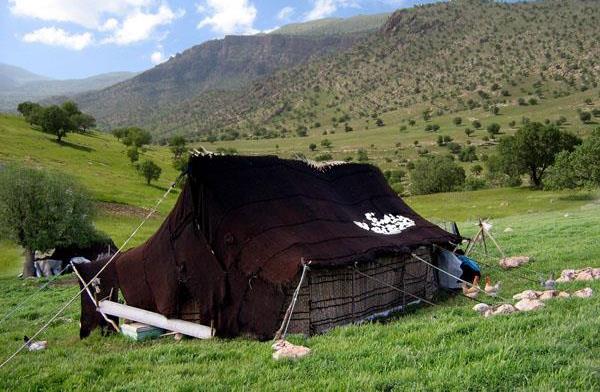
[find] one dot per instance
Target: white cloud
(324, 8)
(122, 21)
(285, 13)
(139, 25)
(158, 57)
(58, 37)
(228, 16)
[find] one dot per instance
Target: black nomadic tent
(230, 253)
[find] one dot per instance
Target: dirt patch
(123, 210)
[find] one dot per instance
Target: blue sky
(78, 38)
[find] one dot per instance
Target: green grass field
(446, 347)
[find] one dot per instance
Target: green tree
(578, 168)
(41, 210)
(436, 174)
(133, 154)
(457, 120)
(476, 124)
(585, 117)
(312, 146)
(178, 147)
(477, 170)
(326, 143)
(83, 121)
(149, 170)
(56, 121)
(469, 132)
(70, 108)
(493, 129)
(379, 122)
(362, 155)
(137, 137)
(533, 149)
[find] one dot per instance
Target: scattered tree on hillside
(533, 149)
(457, 121)
(493, 129)
(133, 154)
(585, 117)
(312, 146)
(40, 211)
(149, 170)
(469, 132)
(56, 121)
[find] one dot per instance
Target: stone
(584, 275)
(286, 350)
(481, 308)
(513, 262)
(508, 230)
(503, 309)
(563, 294)
(527, 294)
(583, 293)
(548, 294)
(526, 305)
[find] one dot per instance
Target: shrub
(324, 157)
(578, 168)
(436, 174)
(362, 155)
(467, 154)
(474, 183)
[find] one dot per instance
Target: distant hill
(214, 67)
(332, 26)
(438, 58)
(18, 84)
(12, 76)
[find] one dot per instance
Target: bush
(436, 174)
(362, 155)
(585, 117)
(324, 157)
(454, 148)
(467, 154)
(578, 168)
(457, 120)
(474, 183)
(476, 124)
(493, 129)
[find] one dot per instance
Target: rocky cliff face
(224, 64)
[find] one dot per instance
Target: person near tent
(470, 268)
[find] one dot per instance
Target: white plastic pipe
(157, 320)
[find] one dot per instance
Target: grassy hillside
(332, 26)
(447, 347)
(443, 58)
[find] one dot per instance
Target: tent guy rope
(86, 285)
(453, 276)
(34, 294)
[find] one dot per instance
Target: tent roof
(265, 214)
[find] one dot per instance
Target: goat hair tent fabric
(235, 240)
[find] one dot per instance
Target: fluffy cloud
(285, 13)
(324, 8)
(228, 16)
(158, 57)
(139, 25)
(121, 21)
(58, 37)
